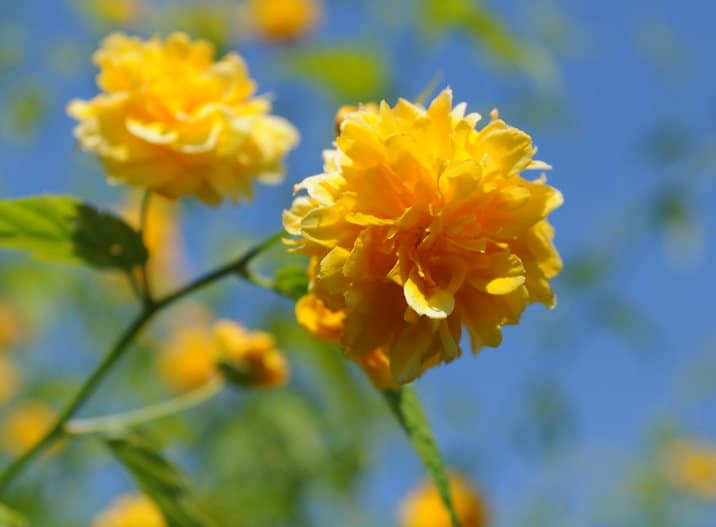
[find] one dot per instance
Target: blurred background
(574, 421)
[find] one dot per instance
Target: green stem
(118, 350)
(119, 422)
(147, 295)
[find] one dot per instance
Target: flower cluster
(172, 120)
(419, 226)
(195, 355)
(424, 507)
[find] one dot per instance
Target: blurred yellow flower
(9, 378)
(191, 358)
(691, 467)
(117, 12)
(131, 511)
(10, 326)
(171, 120)
(25, 426)
(420, 225)
(284, 20)
(188, 360)
(424, 508)
(253, 355)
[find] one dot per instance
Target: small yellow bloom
(172, 120)
(252, 354)
(9, 378)
(421, 225)
(691, 467)
(188, 360)
(191, 358)
(25, 426)
(131, 511)
(424, 508)
(284, 20)
(118, 12)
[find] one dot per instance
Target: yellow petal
(431, 302)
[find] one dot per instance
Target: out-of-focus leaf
(409, 413)
(476, 20)
(26, 109)
(291, 281)
(62, 229)
(9, 518)
(351, 74)
(158, 479)
(667, 143)
(585, 270)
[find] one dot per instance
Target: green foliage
(409, 413)
(9, 518)
(62, 229)
(158, 479)
(352, 74)
(291, 281)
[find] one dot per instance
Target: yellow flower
(424, 508)
(171, 120)
(253, 355)
(420, 225)
(9, 378)
(284, 20)
(25, 426)
(691, 467)
(131, 511)
(119, 12)
(188, 360)
(191, 358)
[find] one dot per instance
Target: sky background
(553, 425)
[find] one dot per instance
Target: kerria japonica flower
(422, 225)
(172, 120)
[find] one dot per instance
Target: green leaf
(291, 281)
(9, 518)
(409, 413)
(158, 479)
(352, 74)
(62, 229)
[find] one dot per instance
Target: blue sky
(626, 68)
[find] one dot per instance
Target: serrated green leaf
(9, 518)
(352, 74)
(158, 479)
(291, 281)
(63, 229)
(409, 413)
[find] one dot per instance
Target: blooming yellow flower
(284, 20)
(131, 511)
(191, 358)
(691, 467)
(9, 378)
(424, 508)
(253, 355)
(171, 120)
(421, 224)
(25, 426)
